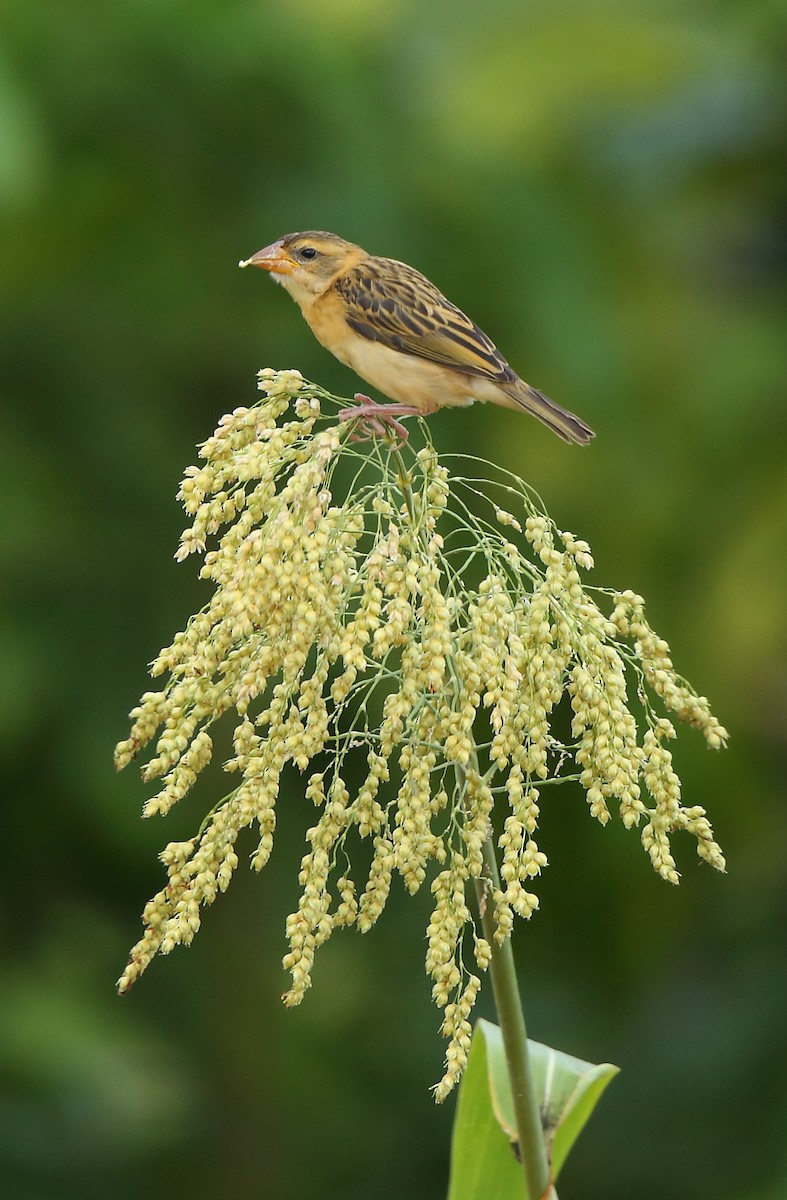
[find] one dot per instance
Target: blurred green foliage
(604, 187)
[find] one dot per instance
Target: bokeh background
(604, 188)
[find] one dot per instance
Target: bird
(399, 333)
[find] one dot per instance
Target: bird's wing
(388, 302)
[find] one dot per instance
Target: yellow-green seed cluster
(389, 622)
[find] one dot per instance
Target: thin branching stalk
(502, 972)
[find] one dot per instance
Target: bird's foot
(375, 420)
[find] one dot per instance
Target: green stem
(505, 988)
(404, 481)
(511, 1018)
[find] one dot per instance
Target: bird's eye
(308, 252)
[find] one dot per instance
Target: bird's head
(306, 263)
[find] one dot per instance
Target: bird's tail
(562, 422)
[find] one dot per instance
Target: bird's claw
(376, 420)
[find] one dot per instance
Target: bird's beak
(272, 258)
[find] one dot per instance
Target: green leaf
(483, 1160)
(483, 1163)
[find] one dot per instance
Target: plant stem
(511, 1017)
(505, 987)
(404, 481)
